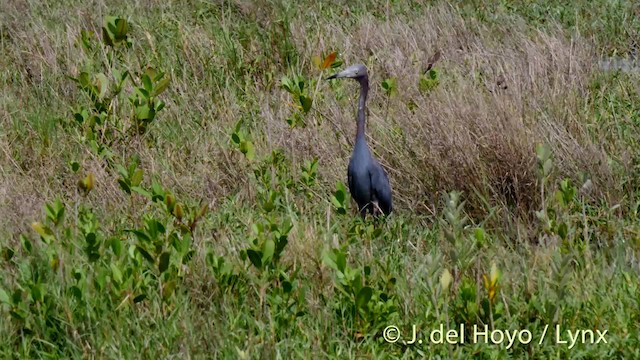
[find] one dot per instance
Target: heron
(368, 182)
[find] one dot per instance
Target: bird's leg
(376, 208)
(363, 211)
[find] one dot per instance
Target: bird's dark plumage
(368, 182)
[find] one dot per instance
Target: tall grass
(216, 225)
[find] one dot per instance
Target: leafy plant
(339, 198)
(115, 32)
(144, 98)
(367, 300)
(240, 139)
(428, 81)
(390, 86)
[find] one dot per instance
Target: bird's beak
(334, 76)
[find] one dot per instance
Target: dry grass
(469, 134)
(505, 85)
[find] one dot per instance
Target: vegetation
(172, 180)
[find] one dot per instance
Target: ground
(172, 180)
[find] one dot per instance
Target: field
(173, 180)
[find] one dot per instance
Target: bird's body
(368, 182)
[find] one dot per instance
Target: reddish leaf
(329, 60)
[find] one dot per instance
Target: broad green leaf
(235, 138)
(341, 261)
(145, 254)
(143, 112)
(4, 297)
(168, 289)
(364, 295)
(102, 85)
(254, 257)
(328, 258)
(163, 263)
(116, 273)
(445, 279)
(136, 179)
(121, 29)
(140, 235)
(116, 246)
(562, 231)
(75, 166)
(37, 293)
(546, 168)
(287, 287)
(306, 103)
(124, 186)
(543, 152)
(161, 86)
(317, 61)
(146, 82)
(267, 252)
(44, 231)
(246, 147)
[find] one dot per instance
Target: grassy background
(511, 76)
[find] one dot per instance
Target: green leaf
(76, 292)
(163, 264)
(141, 93)
(124, 186)
(168, 289)
(17, 314)
(562, 231)
(75, 166)
(146, 82)
(286, 287)
(286, 84)
(121, 29)
(246, 147)
(141, 191)
(116, 246)
(543, 152)
(161, 86)
(546, 168)
(91, 239)
(254, 257)
(102, 85)
(26, 244)
(144, 112)
(328, 258)
(145, 254)
(136, 179)
(116, 273)
(235, 138)
(306, 103)
(37, 293)
(341, 261)
(480, 236)
(364, 295)
(4, 297)
(142, 236)
(267, 252)
(445, 279)
(44, 231)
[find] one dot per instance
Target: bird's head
(357, 71)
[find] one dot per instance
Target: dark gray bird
(368, 182)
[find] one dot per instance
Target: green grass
(209, 219)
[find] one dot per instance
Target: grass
(198, 210)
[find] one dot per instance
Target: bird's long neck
(364, 90)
